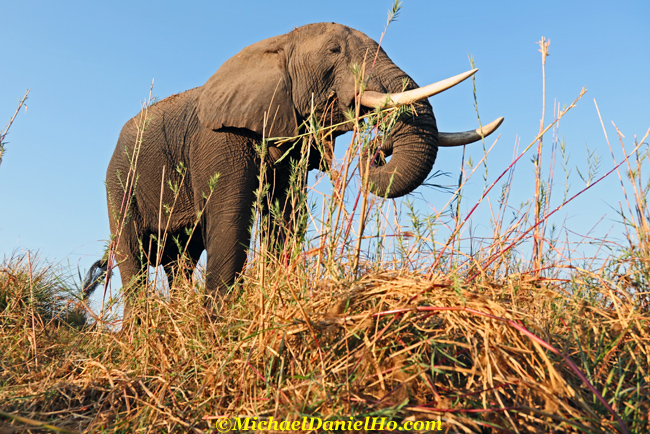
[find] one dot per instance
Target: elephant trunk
(412, 143)
(413, 146)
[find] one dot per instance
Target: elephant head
(272, 86)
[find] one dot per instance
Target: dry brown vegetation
(392, 344)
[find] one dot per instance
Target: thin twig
(11, 121)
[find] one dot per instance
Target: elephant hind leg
(181, 267)
(130, 262)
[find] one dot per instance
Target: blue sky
(90, 64)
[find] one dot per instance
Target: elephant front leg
(228, 238)
(226, 217)
(225, 172)
(284, 212)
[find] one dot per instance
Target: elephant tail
(94, 277)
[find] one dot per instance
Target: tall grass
(356, 306)
(5, 131)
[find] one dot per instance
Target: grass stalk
(3, 133)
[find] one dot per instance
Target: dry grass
(3, 133)
(393, 344)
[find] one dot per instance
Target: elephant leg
(285, 220)
(226, 211)
(173, 268)
(227, 233)
(129, 260)
(172, 261)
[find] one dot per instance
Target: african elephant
(268, 89)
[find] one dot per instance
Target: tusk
(461, 139)
(374, 99)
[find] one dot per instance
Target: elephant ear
(250, 87)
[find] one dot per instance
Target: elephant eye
(336, 48)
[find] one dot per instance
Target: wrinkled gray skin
(214, 129)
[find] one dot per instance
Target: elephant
(267, 90)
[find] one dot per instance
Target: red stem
(528, 333)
